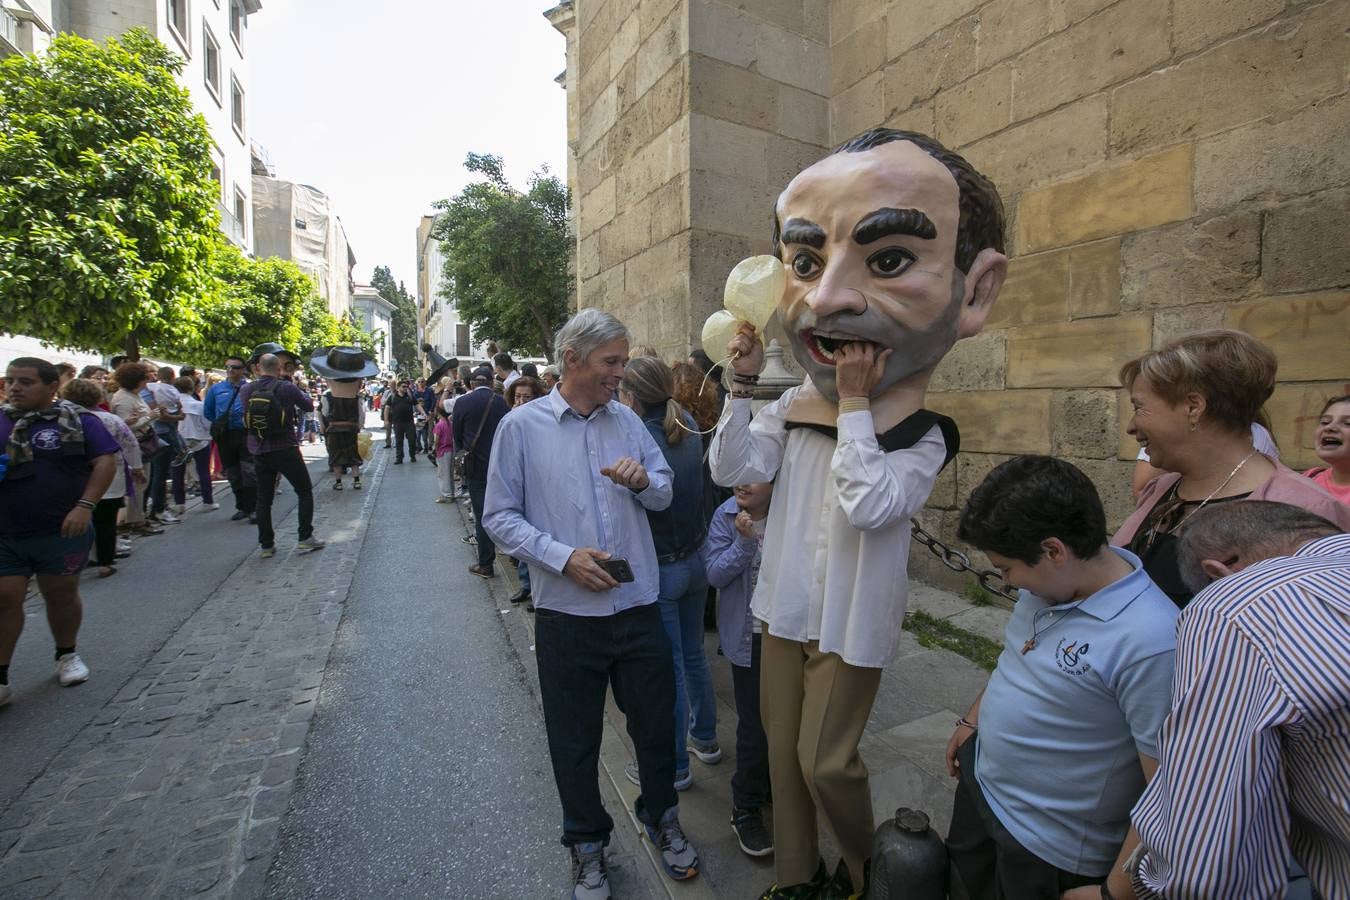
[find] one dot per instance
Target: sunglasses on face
(232, 366)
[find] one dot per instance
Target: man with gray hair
(1252, 762)
(572, 477)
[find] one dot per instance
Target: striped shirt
(1257, 745)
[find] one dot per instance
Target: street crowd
(1170, 713)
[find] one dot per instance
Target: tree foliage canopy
(506, 256)
(108, 212)
(403, 340)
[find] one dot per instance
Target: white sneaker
(70, 669)
(168, 518)
(4, 694)
(178, 509)
(123, 545)
(210, 506)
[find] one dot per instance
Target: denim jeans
(682, 595)
(523, 573)
(157, 490)
(202, 460)
(579, 657)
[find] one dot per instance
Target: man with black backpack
(271, 408)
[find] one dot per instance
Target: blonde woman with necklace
(1194, 401)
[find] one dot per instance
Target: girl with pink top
(444, 437)
(1333, 446)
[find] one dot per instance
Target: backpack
(264, 415)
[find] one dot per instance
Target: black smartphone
(618, 569)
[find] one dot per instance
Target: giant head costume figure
(891, 241)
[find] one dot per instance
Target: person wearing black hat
(339, 408)
(475, 424)
(289, 361)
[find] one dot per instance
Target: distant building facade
(439, 322)
(376, 315)
(297, 222)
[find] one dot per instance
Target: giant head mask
(894, 240)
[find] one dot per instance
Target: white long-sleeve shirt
(836, 549)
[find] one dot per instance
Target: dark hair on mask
(46, 372)
(1029, 499)
(982, 223)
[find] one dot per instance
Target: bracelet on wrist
(964, 723)
(85, 504)
(1106, 892)
(745, 379)
(743, 395)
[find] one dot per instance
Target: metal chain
(957, 561)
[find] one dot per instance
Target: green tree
(403, 340)
(506, 256)
(108, 212)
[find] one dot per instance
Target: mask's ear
(983, 283)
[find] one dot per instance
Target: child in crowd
(444, 436)
(732, 556)
(1332, 443)
(1066, 731)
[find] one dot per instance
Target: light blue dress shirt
(546, 497)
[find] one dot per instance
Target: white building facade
(297, 222)
(212, 36)
(376, 315)
(439, 320)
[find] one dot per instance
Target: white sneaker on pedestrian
(70, 669)
(5, 694)
(168, 518)
(123, 545)
(178, 509)
(309, 544)
(210, 506)
(710, 754)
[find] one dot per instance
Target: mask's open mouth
(823, 348)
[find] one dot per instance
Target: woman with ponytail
(678, 532)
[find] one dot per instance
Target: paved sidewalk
(921, 695)
(177, 786)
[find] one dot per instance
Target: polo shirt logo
(1069, 657)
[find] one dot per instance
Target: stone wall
(1167, 165)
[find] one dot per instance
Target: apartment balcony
(233, 228)
(9, 34)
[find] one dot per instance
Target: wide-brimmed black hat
(342, 363)
(270, 347)
(440, 366)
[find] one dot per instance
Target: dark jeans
(579, 657)
(750, 782)
(289, 464)
(239, 470)
(157, 490)
(405, 432)
(105, 530)
(478, 497)
(990, 861)
(202, 460)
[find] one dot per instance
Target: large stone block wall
(1167, 165)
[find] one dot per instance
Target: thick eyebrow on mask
(888, 221)
(802, 231)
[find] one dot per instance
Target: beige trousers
(815, 707)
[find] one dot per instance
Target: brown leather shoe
(481, 571)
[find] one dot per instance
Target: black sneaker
(751, 833)
(239, 516)
(521, 597)
(841, 884)
(590, 873)
(807, 890)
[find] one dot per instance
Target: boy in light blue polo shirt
(1066, 730)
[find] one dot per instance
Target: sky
(377, 104)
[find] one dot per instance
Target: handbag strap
(229, 407)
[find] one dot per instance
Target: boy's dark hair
(46, 372)
(504, 362)
(1029, 499)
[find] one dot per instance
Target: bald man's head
(269, 364)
